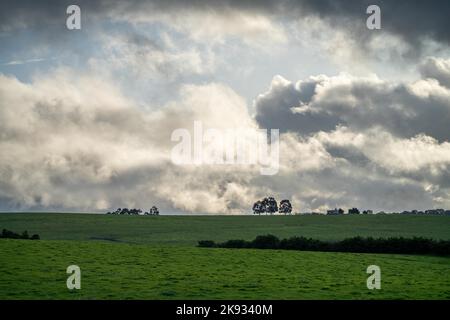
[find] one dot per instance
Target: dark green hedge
(357, 244)
(12, 235)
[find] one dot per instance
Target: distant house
(332, 212)
(335, 212)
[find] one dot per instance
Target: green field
(134, 257)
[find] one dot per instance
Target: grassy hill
(187, 230)
(132, 257)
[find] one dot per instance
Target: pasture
(133, 257)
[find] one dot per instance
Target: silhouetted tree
(285, 207)
(154, 211)
(270, 205)
(135, 211)
(258, 208)
(353, 211)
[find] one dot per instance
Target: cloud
(145, 59)
(413, 21)
(75, 142)
(437, 68)
(18, 62)
(374, 143)
(95, 134)
(223, 20)
(321, 103)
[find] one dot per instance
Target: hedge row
(357, 244)
(12, 235)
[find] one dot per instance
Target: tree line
(125, 211)
(399, 245)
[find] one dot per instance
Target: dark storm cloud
(403, 110)
(274, 108)
(412, 20)
(438, 69)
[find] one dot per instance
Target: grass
(187, 230)
(130, 257)
(36, 269)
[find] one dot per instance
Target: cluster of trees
(340, 211)
(7, 234)
(350, 211)
(152, 212)
(428, 212)
(357, 244)
(269, 205)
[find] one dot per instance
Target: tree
(353, 211)
(154, 211)
(258, 207)
(134, 211)
(265, 242)
(270, 205)
(285, 207)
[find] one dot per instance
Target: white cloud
(145, 59)
(73, 141)
(211, 26)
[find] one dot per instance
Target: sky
(87, 116)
